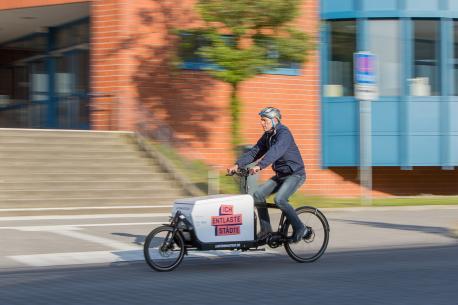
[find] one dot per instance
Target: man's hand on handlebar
(233, 169)
(254, 169)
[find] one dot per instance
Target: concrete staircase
(48, 168)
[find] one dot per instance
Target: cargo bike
(229, 222)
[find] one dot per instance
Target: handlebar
(240, 172)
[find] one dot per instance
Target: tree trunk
(235, 116)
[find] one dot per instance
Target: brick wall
(111, 65)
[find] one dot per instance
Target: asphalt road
(375, 256)
(409, 276)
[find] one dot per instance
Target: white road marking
(87, 208)
(126, 255)
(74, 258)
(114, 244)
(77, 226)
(67, 217)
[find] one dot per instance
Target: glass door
(37, 113)
(71, 89)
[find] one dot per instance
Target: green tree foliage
(244, 38)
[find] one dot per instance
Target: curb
(453, 230)
(392, 208)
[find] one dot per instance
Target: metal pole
(365, 163)
(213, 182)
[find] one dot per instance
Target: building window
(72, 34)
(21, 83)
(82, 71)
(455, 56)
(63, 76)
(384, 42)
(425, 81)
(39, 79)
(34, 43)
(189, 48)
(191, 42)
(340, 66)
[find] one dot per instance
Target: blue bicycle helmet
(271, 113)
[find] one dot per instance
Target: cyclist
(277, 147)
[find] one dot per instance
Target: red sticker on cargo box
(227, 223)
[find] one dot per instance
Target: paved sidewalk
(98, 236)
(392, 227)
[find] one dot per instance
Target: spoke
(308, 219)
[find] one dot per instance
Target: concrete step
(70, 202)
(69, 147)
(61, 133)
(5, 171)
(71, 154)
(152, 192)
(76, 162)
(82, 185)
(56, 211)
(55, 168)
(64, 145)
(24, 140)
(108, 177)
(50, 158)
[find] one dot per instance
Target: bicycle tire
(158, 257)
(313, 218)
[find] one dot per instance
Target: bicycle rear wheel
(162, 250)
(314, 244)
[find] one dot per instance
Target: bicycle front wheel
(315, 243)
(164, 249)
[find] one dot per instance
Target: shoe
(300, 234)
(308, 234)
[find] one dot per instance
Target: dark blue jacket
(279, 148)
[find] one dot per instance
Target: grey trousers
(284, 187)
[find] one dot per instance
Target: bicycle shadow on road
(139, 239)
(443, 231)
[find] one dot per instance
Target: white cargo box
(219, 218)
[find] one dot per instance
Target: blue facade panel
(343, 150)
(425, 150)
(342, 134)
(453, 5)
(422, 5)
(454, 149)
(333, 6)
(386, 5)
(346, 9)
(453, 114)
(385, 117)
(342, 117)
(385, 150)
(424, 117)
(341, 125)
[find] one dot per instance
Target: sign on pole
(365, 76)
(366, 91)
